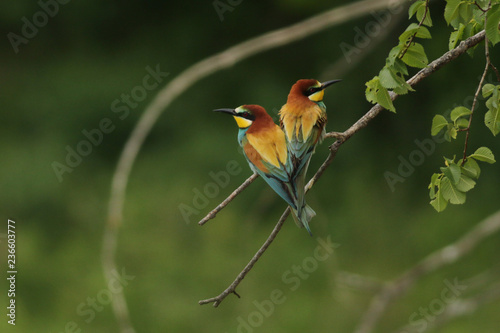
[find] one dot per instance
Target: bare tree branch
(232, 288)
(464, 307)
(341, 139)
(444, 256)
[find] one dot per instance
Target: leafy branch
(467, 19)
(407, 53)
(457, 178)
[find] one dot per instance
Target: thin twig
(480, 8)
(488, 62)
(496, 71)
(467, 130)
(464, 307)
(336, 135)
(444, 256)
(230, 198)
(341, 139)
(232, 288)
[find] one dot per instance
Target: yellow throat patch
(242, 122)
(317, 96)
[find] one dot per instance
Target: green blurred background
(64, 81)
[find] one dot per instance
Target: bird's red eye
(311, 91)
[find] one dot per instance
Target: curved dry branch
(458, 308)
(341, 138)
(444, 256)
(179, 85)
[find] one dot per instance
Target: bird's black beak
(230, 111)
(327, 83)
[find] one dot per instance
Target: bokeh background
(64, 81)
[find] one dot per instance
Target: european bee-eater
(264, 146)
(303, 119)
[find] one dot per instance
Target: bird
(264, 147)
(303, 120)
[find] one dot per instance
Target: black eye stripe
(247, 115)
(312, 90)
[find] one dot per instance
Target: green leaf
(456, 172)
(470, 30)
(414, 29)
(399, 66)
(492, 20)
(403, 88)
(494, 100)
(414, 7)
(465, 184)
(423, 33)
(471, 168)
(451, 193)
(432, 192)
(452, 172)
(388, 78)
(458, 112)
(451, 10)
(483, 154)
(439, 203)
(432, 186)
(376, 93)
(438, 122)
(455, 36)
(449, 161)
(492, 121)
(394, 56)
(451, 132)
(462, 123)
(487, 89)
(415, 56)
(465, 12)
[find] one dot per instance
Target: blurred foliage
(64, 81)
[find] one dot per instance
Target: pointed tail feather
(302, 221)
